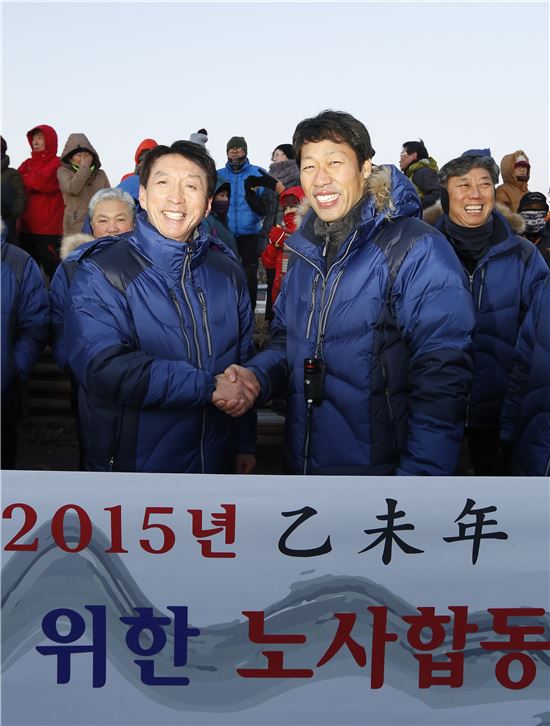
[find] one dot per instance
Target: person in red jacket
(275, 256)
(42, 220)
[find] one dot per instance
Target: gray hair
(116, 193)
(463, 164)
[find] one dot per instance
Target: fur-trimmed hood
(70, 242)
(432, 215)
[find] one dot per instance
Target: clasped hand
(237, 389)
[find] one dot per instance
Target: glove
(277, 236)
(260, 181)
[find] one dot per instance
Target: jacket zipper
(186, 263)
(312, 304)
(180, 316)
(547, 470)
(112, 458)
(325, 312)
(202, 301)
(480, 288)
(478, 307)
(322, 321)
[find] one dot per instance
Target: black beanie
(4, 145)
(531, 199)
(237, 142)
(288, 150)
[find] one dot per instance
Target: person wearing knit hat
(283, 152)
(200, 137)
(246, 207)
(515, 169)
(533, 209)
(503, 271)
(238, 143)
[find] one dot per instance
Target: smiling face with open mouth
(331, 178)
(175, 197)
(471, 198)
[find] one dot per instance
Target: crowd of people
(409, 307)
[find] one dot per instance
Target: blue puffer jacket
(392, 319)
(152, 321)
(25, 321)
(59, 293)
(242, 220)
(501, 287)
(526, 409)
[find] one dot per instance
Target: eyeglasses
(404, 153)
(277, 154)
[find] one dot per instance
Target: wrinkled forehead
(111, 207)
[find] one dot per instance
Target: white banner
(181, 599)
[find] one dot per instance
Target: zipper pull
(327, 242)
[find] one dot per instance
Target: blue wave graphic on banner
(35, 583)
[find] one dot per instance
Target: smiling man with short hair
(372, 327)
(503, 270)
(155, 318)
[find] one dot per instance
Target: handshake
(237, 389)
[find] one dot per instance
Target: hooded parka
(79, 184)
(392, 321)
(44, 202)
(512, 190)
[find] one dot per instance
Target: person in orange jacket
(274, 256)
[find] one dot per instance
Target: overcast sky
(457, 74)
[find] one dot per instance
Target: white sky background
(459, 75)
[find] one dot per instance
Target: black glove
(260, 181)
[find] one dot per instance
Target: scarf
(336, 233)
(470, 243)
(286, 172)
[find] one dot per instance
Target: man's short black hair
(336, 126)
(412, 147)
(194, 152)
